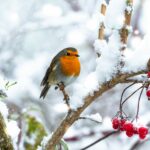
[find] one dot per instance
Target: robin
(64, 69)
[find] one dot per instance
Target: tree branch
(102, 26)
(74, 115)
(127, 14)
(87, 118)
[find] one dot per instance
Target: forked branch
(74, 115)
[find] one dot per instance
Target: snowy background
(33, 32)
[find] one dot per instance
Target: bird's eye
(68, 54)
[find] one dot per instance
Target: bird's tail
(44, 91)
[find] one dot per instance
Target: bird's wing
(52, 66)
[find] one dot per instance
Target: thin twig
(124, 31)
(99, 140)
(89, 119)
(137, 81)
(131, 94)
(102, 26)
(123, 94)
(138, 106)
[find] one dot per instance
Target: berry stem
(131, 95)
(138, 106)
(123, 94)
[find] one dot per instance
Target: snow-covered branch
(75, 114)
(105, 78)
(102, 26)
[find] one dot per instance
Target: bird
(64, 68)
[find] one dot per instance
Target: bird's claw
(66, 97)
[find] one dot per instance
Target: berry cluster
(120, 121)
(130, 129)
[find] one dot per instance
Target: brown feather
(44, 91)
(45, 82)
(48, 71)
(45, 79)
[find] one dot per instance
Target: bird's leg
(66, 97)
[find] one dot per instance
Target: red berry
(115, 123)
(122, 122)
(142, 136)
(148, 74)
(135, 130)
(115, 126)
(129, 133)
(143, 131)
(148, 93)
(128, 127)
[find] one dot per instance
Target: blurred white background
(32, 32)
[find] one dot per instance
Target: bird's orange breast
(70, 66)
